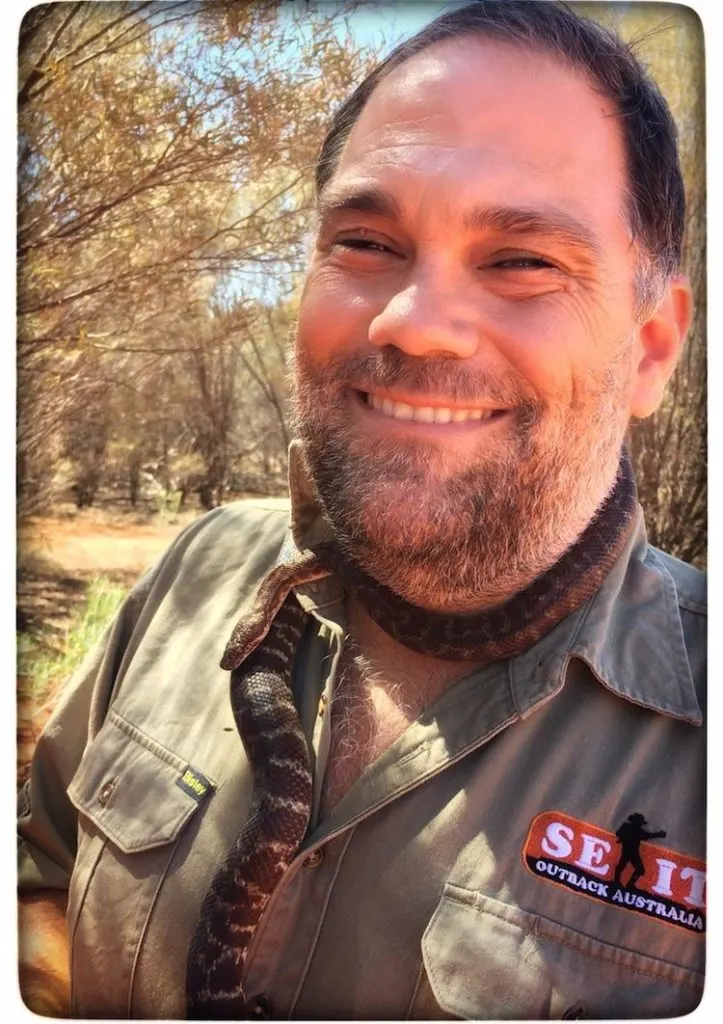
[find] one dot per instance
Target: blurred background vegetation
(164, 198)
(165, 155)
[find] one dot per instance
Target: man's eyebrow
(523, 221)
(355, 199)
(513, 220)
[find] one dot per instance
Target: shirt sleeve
(47, 820)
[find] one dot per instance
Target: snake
(259, 656)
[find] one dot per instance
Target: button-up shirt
(531, 846)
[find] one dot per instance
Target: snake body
(260, 656)
(269, 725)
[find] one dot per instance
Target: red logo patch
(627, 868)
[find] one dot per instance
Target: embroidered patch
(194, 783)
(627, 868)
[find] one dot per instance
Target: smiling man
(468, 350)
(457, 667)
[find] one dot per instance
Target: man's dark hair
(656, 197)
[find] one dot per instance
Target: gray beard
(470, 540)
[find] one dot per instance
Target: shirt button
(314, 859)
(258, 1008)
(105, 791)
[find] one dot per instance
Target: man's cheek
(309, 361)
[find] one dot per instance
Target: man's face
(466, 343)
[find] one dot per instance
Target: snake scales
(260, 655)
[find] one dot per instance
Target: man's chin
(400, 519)
(415, 469)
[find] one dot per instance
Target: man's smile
(423, 411)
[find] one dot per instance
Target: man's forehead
(470, 123)
(467, 90)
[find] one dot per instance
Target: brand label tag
(194, 783)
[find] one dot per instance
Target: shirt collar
(629, 633)
(308, 526)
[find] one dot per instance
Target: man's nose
(428, 317)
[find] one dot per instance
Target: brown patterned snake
(260, 655)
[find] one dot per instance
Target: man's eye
(361, 244)
(524, 263)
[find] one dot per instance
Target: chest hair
(381, 689)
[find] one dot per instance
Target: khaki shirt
(469, 872)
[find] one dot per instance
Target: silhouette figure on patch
(630, 835)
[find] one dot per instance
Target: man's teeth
(426, 413)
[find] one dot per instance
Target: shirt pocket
(484, 959)
(127, 785)
(135, 824)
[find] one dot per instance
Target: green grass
(45, 662)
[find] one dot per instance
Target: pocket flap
(485, 959)
(127, 784)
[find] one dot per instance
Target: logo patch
(194, 783)
(623, 868)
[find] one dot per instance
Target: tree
(164, 167)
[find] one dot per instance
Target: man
(456, 666)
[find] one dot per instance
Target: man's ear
(660, 342)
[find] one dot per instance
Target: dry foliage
(165, 155)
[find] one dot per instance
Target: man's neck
(422, 677)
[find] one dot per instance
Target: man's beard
(466, 539)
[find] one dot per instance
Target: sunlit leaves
(162, 154)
